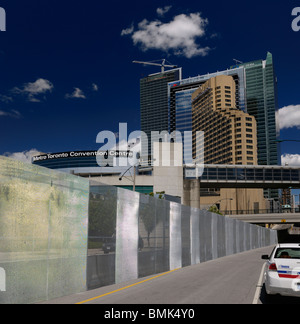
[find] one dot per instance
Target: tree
(214, 209)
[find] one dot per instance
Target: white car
(282, 270)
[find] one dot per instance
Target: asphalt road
(230, 280)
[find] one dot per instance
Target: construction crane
(237, 61)
(163, 64)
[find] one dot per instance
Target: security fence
(61, 234)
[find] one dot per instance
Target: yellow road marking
(138, 283)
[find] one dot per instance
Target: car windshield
(287, 253)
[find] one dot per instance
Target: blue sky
(67, 72)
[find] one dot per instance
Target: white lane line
(259, 286)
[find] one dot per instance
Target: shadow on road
(277, 299)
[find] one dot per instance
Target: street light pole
(230, 199)
(134, 174)
(133, 178)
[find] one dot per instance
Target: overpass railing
(261, 211)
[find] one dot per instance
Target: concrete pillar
(168, 169)
(191, 193)
(195, 193)
(186, 193)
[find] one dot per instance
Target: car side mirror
(265, 257)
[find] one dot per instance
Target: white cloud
(77, 94)
(290, 159)
(179, 35)
(127, 31)
(39, 86)
(34, 89)
(289, 117)
(25, 156)
(162, 11)
(12, 113)
(95, 87)
(6, 99)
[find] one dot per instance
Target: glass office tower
(262, 103)
(261, 88)
(154, 103)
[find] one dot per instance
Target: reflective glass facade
(184, 118)
(277, 177)
(261, 85)
(82, 165)
(262, 103)
(154, 103)
(180, 95)
(180, 99)
(78, 162)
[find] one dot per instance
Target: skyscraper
(262, 103)
(180, 99)
(229, 138)
(229, 133)
(154, 103)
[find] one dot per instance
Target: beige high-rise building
(230, 137)
(230, 134)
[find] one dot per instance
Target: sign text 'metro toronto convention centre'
(77, 154)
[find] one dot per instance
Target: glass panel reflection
(102, 236)
(43, 232)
